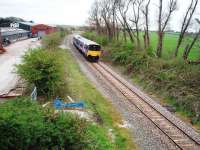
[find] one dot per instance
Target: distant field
(169, 45)
(170, 42)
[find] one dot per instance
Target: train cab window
(94, 47)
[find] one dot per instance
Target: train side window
(86, 47)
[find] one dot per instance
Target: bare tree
(186, 22)
(123, 7)
(106, 16)
(114, 18)
(95, 17)
(145, 12)
(163, 22)
(103, 16)
(123, 28)
(108, 13)
(190, 46)
(136, 18)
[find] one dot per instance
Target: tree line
(5, 22)
(132, 19)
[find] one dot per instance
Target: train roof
(86, 41)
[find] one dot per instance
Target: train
(90, 49)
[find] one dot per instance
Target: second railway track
(179, 137)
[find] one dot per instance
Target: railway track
(184, 139)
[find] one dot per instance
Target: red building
(42, 29)
(37, 30)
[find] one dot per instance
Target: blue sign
(58, 104)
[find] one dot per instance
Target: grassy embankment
(44, 129)
(172, 80)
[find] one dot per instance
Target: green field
(169, 46)
(169, 43)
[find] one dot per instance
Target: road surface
(8, 77)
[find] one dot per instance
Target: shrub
(121, 52)
(121, 57)
(64, 31)
(26, 125)
(45, 69)
(90, 35)
(53, 40)
(100, 39)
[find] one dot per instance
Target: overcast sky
(70, 12)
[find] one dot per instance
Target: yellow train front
(90, 49)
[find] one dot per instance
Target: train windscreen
(94, 47)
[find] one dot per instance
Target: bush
(121, 52)
(121, 57)
(45, 69)
(53, 40)
(26, 125)
(100, 39)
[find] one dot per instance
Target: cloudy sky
(71, 12)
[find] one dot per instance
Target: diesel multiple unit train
(90, 49)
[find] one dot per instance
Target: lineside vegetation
(175, 81)
(164, 61)
(25, 124)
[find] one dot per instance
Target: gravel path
(145, 134)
